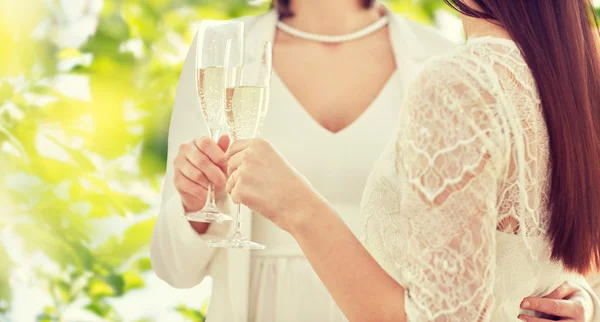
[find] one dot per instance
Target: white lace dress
(454, 209)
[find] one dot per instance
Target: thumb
(224, 142)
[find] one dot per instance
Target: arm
(357, 283)
(452, 154)
(449, 162)
(451, 159)
(361, 288)
(178, 253)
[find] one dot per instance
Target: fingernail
(522, 318)
(525, 305)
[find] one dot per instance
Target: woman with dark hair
(488, 194)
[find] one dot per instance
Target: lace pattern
(470, 162)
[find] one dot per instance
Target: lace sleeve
(451, 155)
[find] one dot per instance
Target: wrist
(306, 214)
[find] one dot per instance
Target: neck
(331, 17)
(475, 27)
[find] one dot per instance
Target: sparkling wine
(244, 110)
(212, 82)
(264, 109)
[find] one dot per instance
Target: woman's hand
(199, 163)
(261, 179)
(569, 302)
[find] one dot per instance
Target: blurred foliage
(83, 126)
(193, 315)
(69, 162)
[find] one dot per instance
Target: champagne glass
(245, 111)
(265, 70)
(219, 55)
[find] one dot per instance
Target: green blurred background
(86, 90)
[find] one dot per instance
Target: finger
(565, 290)
(188, 186)
(528, 318)
(212, 150)
(224, 142)
(554, 307)
(235, 187)
(235, 195)
(184, 166)
(231, 182)
(236, 147)
(202, 162)
(235, 162)
(189, 196)
(187, 169)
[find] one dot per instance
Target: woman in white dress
(318, 130)
(486, 197)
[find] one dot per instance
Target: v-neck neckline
(355, 123)
(400, 58)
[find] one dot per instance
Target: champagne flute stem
(215, 134)
(210, 196)
(238, 220)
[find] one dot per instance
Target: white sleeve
(178, 254)
(591, 286)
(452, 157)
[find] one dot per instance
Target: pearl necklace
(335, 39)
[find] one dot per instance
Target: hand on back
(569, 302)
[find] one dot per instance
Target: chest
(335, 84)
(336, 164)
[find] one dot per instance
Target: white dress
(454, 209)
(283, 285)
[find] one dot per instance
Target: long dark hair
(283, 6)
(559, 40)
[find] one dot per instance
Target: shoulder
(252, 23)
(463, 92)
(463, 65)
(457, 82)
(432, 41)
